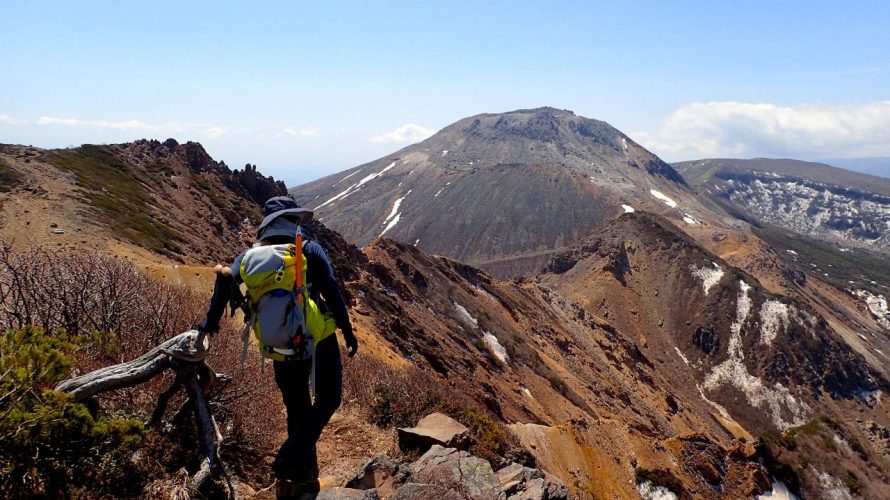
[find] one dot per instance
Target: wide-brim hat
(283, 206)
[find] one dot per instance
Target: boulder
(541, 489)
(347, 494)
(524, 483)
(459, 471)
(421, 491)
(434, 429)
(513, 476)
(381, 474)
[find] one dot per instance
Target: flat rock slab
(347, 494)
(418, 491)
(435, 428)
(459, 471)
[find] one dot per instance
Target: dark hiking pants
(305, 420)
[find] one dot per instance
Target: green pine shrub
(48, 443)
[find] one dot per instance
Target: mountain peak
(514, 185)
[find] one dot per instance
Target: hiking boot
(297, 468)
(290, 490)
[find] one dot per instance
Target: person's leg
(328, 393)
(328, 388)
(292, 378)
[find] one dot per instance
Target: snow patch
(734, 372)
(792, 252)
(391, 224)
(871, 397)
(680, 353)
(495, 347)
(394, 215)
(444, 153)
(877, 306)
(348, 176)
(628, 209)
(690, 219)
(355, 187)
(833, 488)
(780, 492)
(416, 241)
(465, 315)
(709, 277)
(773, 317)
(624, 144)
(527, 393)
(661, 196)
(651, 492)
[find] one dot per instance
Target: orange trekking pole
(298, 267)
(298, 280)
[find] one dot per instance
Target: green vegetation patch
(818, 258)
(43, 434)
(115, 188)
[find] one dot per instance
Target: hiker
(299, 360)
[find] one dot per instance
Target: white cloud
(406, 134)
(299, 132)
(215, 132)
(209, 131)
(738, 129)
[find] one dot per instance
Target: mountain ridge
(828, 203)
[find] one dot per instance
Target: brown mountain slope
(619, 362)
(764, 361)
(504, 192)
(143, 199)
(544, 365)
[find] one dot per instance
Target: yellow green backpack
(285, 320)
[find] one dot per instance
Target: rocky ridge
(148, 196)
(845, 208)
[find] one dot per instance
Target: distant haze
(305, 89)
(874, 166)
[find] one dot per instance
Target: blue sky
(305, 89)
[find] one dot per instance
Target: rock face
(525, 483)
(446, 474)
(460, 471)
(434, 429)
(500, 191)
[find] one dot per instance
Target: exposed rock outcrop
(446, 473)
(434, 429)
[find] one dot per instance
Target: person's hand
(351, 342)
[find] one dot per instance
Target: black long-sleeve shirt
(323, 286)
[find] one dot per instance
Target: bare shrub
(388, 396)
(87, 292)
(119, 313)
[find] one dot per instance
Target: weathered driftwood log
(185, 355)
(136, 371)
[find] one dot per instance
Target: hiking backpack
(286, 321)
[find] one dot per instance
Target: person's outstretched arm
(321, 276)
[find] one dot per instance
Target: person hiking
(307, 355)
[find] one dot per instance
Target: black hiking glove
(351, 342)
